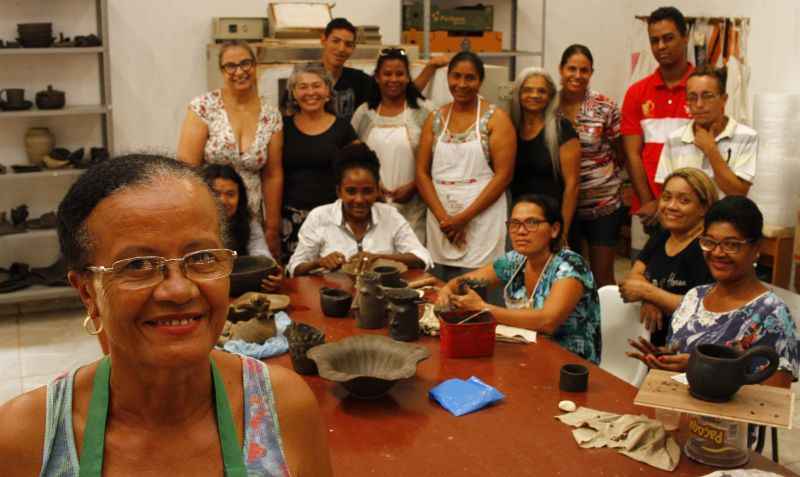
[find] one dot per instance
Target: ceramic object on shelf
(367, 365)
(50, 98)
(716, 372)
(19, 215)
(38, 143)
(35, 35)
(248, 271)
(12, 98)
(302, 338)
(335, 302)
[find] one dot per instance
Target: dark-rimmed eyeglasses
(530, 225)
(706, 97)
(142, 272)
(393, 52)
(244, 65)
(731, 246)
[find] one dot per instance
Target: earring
(93, 332)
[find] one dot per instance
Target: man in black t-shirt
(352, 86)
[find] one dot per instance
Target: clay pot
(371, 313)
(388, 275)
(248, 271)
(716, 372)
(38, 143)
(50, 98)
(335, 302)
(302, 338)
(403, 313)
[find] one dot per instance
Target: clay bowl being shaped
(367, 365)
(335, 302)
(248, 271)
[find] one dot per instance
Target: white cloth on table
(637, 437)
(325, 231)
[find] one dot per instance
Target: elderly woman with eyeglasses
(737, 310)
(143, 240)
(546, 288)
(237, 127)
(390, 123)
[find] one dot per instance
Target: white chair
(789, 297)
(619, 322)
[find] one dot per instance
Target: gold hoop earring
(92, 332)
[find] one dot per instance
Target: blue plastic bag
(462, 397)
(274, 346)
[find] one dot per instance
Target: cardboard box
(451, 42)
(467, 18)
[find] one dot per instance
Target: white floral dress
(222, 147)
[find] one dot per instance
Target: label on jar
(716, 441)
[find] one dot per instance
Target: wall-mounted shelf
(67, 111)
(51, 51)
(36, 293)
(18, 176)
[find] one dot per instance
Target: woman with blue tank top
(142, 239)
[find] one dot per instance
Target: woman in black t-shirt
(548, 150)
(671, 262)
(312, 135)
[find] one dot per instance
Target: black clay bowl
(248, 271)
(388, 274)
(335, 302)
(367, 365)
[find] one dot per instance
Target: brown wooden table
(407, 434)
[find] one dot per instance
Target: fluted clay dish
(367, 365)
(350, 267)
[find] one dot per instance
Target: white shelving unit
(42, 191)
(511, 55)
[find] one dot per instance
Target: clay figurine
(250, 322)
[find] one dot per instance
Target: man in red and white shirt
(654, 107)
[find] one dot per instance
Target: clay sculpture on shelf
(50, 98)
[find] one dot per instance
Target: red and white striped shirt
(653, 110)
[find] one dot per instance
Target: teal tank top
(262, 448)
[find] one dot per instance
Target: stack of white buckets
(776, 188)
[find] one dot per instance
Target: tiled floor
(36, 347)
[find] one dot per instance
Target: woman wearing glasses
(671, 262)
(154, 281)
(737, 310)
(545, 288)
(235, 126)
(464, 165)
(390, 123)
(313, 135)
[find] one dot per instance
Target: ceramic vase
(38, 143)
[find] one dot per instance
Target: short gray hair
(307, 68)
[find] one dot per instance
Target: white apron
(460, 171)
(392, 144)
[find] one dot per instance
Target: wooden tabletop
(407, 434)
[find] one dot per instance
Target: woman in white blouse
(356, 225)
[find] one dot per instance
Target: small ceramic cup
(574, 378)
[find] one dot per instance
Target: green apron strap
(91, 463)
(232, 456)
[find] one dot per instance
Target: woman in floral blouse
(736, 311)
(237, 127)
(545, 288)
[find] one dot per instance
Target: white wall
(158, 53)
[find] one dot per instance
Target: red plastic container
(472, 339)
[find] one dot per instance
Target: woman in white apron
(545, 288)
(464, 166)
(390, 123)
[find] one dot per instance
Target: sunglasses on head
(393, 52)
